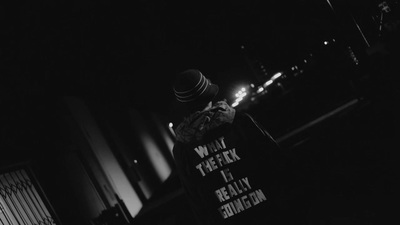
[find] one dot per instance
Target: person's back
(224, 161)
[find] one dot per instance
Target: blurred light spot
(269, 82)
(276, 76)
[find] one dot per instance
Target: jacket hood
(197, 124)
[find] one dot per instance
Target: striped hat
(192, 87)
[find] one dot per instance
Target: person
(227, 162)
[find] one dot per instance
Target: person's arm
(280, 163)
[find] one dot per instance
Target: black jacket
(228, 166)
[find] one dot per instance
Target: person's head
(193, 91)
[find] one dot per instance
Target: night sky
(133, 50)
(129, 53)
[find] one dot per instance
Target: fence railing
(20, 200)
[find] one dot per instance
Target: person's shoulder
(249, 123)
(241, 117)
(243, 122)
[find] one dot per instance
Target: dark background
(133, 50)
(129, 53)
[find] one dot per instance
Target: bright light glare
(171, 125)
(326, 42)
(268, 83)
(241, 93)
(239, 96)
(276, 76)
(260, 89)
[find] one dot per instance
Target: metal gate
(20, 200)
